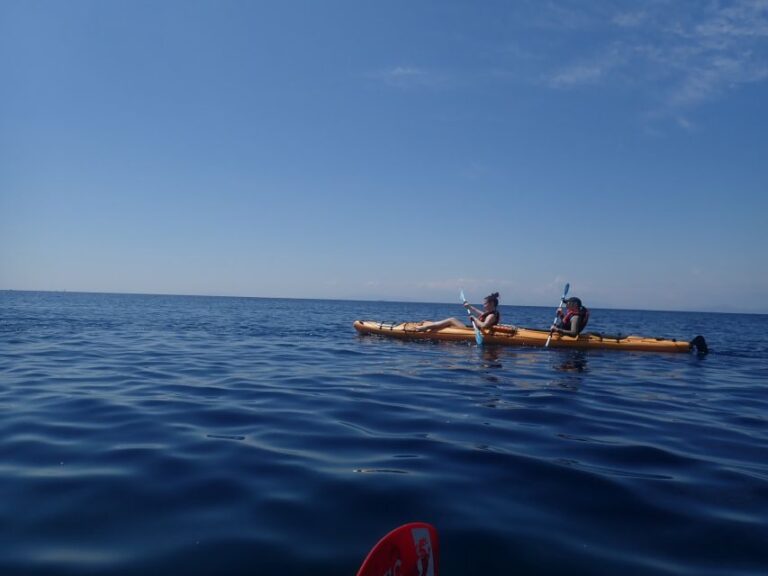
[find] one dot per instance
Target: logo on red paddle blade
(410, 550)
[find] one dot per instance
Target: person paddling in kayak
(488, 317)
(574, 320)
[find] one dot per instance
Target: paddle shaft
(478, 334)
(559, 306)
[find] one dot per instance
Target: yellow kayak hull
(511, 336)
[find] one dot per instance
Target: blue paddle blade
(565, 291)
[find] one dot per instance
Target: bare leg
(448, 322)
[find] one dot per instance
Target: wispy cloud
(685, 124)
(726, 49)
(630, 19)
(588, 72)
(410, 77)
(745, 19)
(680, 59)
(577, 75)
(714, 76)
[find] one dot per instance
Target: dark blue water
(153, 434)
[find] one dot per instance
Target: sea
(148, 434)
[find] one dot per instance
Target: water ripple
(147, 434)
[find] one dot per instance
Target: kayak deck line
(518, 336)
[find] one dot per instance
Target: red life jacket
(485, 315)
(582, 313)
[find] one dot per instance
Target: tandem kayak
(515, 336)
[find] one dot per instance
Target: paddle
(565, 293)
(478, 334)
(409, 549)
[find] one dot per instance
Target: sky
(388, 150)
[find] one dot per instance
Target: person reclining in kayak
(486, 318)
(575, 318)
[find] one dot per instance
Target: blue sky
(395, 150)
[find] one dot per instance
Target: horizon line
(358, 300)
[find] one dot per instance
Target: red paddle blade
(409, 550)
